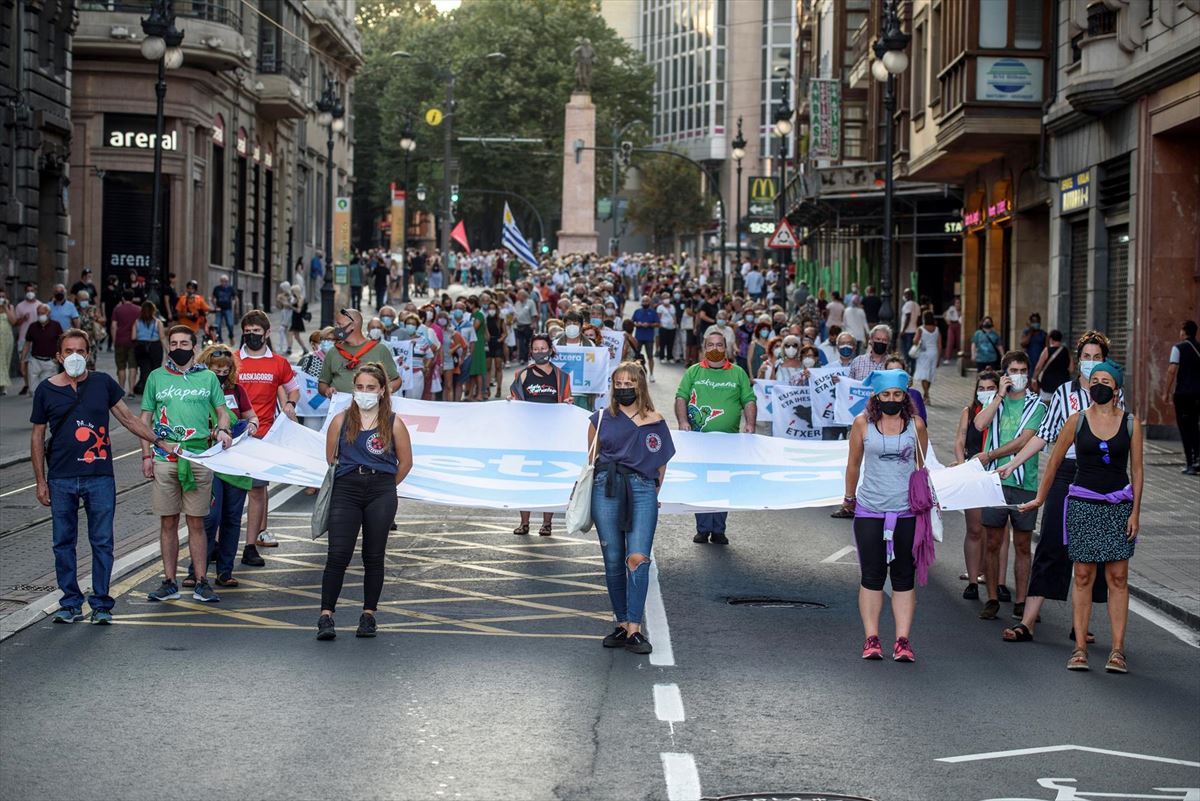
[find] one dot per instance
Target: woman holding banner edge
(633, 448)
(541, 382)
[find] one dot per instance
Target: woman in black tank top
(967, 444)
(1054, 366)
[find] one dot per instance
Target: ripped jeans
(626, 588)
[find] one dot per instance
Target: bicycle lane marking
(1050, 749)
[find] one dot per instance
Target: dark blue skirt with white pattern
(1096, 531)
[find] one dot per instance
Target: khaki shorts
(124, 355)
(169, 499)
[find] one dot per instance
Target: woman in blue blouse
(631, 459)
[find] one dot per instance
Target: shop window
(1019, 19)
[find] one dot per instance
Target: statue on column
(585, 57)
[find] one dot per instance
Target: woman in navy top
(373, 454)
(631, 458)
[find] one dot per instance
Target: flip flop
(1020, 633)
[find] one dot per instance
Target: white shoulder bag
(579, 507)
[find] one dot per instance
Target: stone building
(244, 161)
(35, 89)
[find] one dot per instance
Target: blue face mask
(326, 346)
(846, 350)
(387, 321)
(458, 314)
(596, 321)
(410, 329)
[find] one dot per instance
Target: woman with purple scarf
(891, 508)
(1102, 508)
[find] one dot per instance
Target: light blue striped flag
(514, 241)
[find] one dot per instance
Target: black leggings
(666, 343)
(1187, 415)
(367, 502)
(872, 553)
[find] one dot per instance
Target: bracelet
(292, 402)
(849, 498)
(147, 456)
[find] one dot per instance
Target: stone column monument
(578, 234)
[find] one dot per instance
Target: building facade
(244, 160)
(35, 88)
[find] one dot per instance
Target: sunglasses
(1104, 455)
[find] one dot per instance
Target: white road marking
(683, 782)
(34, 486)
(1186, 635)
(838, 554)
(668, 703)
(1050, 749)
(656, 623)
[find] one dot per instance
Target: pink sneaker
(903, 651)
(872, 648)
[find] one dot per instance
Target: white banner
(849, 400)
(402, 352)
(762, 398)
(792, 414)
(515, 455)
(614, 341)
(821, 386)
(587, 366)
(311, 402)
(966, 486)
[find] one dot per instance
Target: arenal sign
(762, 193)
(136, 131)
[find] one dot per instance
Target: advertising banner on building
(399, 199)
(825, 113)
(1008, 80)
(341, 230)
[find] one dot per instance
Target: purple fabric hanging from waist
(1084, 494)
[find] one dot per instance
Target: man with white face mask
(76, 465)
(1009, 422)
(41, 347)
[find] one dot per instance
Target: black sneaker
(1003, 595)
(637, 643)
(701, 537)
(971, 593)
(325, 629)
(617, 639)
(250, 557)
(167, 591)
(718, 539)
(204, 592)
(366, 626)
(1018, 611)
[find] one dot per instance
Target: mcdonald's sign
(762, 193)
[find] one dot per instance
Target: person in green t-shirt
(350, 351)
(715, 395)
(177, 402)
(1008, 422)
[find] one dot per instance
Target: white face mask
(83, 304)
(985, 396)
(809, 361)
(1086, 366)
(30, 296)
(778, 352)
(1019, 382)
(43, 318)
(75, 365)
(571, 331)
(375, 333)
(366, 400)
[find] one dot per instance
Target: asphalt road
(488, 682)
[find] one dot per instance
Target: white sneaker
(267, 540)
(652, 378)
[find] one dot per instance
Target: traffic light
(626, 152)
(454, 193)
(545, 248)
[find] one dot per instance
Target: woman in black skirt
(1103, 507)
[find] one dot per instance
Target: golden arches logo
(762, 189)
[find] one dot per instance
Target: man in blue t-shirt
(645, 323)
(76, 465)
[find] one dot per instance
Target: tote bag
(320, 518)
(579, 507)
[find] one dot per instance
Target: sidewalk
(1165, 570)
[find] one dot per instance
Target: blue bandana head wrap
(1113, 369)
(883, 380)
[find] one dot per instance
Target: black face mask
(891, 407)
(540, 357)
(252, 341)
(879, 348)
(181, 356)
(625, 397)
(59, 296)
(224, 379)
(1101, 393)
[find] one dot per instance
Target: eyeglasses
(1104, 455)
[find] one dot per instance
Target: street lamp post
(162, 44)
(330, 113)
(890, 61)
(408, 144)
(783, 128)
(739, 153)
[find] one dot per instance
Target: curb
(1184, 616)
(47, 605)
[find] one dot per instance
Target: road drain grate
(787, 797)
(768, 602)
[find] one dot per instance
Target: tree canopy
(521, 95)
(670, 202)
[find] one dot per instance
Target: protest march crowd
(762, 357)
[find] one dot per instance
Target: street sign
(434, 116)
(784, 237)
(761, 193)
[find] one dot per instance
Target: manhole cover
(767, 602)
(788, 797)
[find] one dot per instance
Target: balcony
(334, 27)
(860, 70)
(213, 31)
(280, 92)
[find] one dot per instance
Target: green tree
(669, 203)
(522, 96)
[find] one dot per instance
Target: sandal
(190, 581)
(1116, 663)
(521, 529)
(1091, 638)
(1018, 633)
(545, 530)
(1078, 660)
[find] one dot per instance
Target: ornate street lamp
(162, 44)
(783, 128)
(408, 143)
(330, 113)
(890, 61)
(738, 153)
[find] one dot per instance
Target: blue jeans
(225, 320)
(99, 496)
(223, 524)
(711, 522)
(626, 588)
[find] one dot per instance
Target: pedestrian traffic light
(545, 248)
(454, 193)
